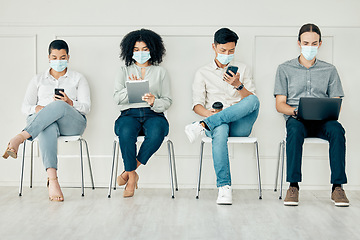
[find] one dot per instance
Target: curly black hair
(153, 41)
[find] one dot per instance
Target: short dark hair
(153, 41)
(309, 27)
(225, 35)
(58, 45)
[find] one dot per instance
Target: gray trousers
(55, 119)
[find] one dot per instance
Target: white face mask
(58, 65)
(141, 56)
(309, 52)
(224, 59)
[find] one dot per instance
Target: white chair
(282, 157)
(231, 140)
(140, 139)
(62, 139)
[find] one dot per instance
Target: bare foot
(55, 193)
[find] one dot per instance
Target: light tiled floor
(152, 214)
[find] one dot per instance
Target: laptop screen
(321, 109)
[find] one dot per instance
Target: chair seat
(233, 139)
(65, 138)
(140, 138)
(315, 140)
(312, 140)
(69, 138)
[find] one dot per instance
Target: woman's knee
(126, 132)
(157, 132)
(57, 104)
(51, 132)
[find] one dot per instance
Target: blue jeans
(140, 121)
(55, 119)
(331, 131)
(234, 121)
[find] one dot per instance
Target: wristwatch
(239, 87)
(295, 112)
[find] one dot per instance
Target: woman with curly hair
(143, 51)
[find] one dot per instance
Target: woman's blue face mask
(141, 56)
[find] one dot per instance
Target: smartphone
(57, 92)
(234, 69)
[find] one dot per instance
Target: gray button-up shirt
(294, 81)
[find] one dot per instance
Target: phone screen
(57, 91)
(234, 69)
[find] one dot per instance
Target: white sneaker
(193, 131)
(225, 195)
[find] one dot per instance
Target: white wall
(94, 29)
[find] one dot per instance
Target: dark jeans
(144, 122)
(331, 131)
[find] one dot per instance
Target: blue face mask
(309, 52)
(141, 56)
(58, 65)
(224, 59)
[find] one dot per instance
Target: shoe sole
(291, 203)
(224, 203)
(341, 204)
(12, 154)
(189, 135)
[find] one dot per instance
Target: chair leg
(258, 168)
(31, 163)
(282, 167)
(112, 170)
(22, 170)
(277, 168)
(171, 169)
(82, 169)
(90, 169)
(117, 146)
(174, 165)
(200, 166)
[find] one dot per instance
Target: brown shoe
(292, 197)
(338, 196)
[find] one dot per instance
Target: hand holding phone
(232, 76)
(57, 92)
(233, 69)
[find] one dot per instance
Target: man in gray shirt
(307, 76)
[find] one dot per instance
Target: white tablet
(136, 89)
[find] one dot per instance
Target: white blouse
(41, 91)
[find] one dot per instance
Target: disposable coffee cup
(217, 106)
